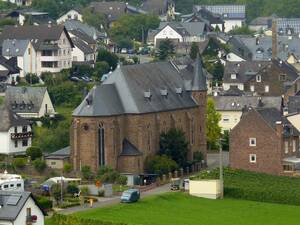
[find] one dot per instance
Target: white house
(15, 133)
(18, 208)
(19, 2)
(52, 45)
(73, 14)
(24, 52)
(29, 102)
(233, 15)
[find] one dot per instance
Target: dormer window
(147, 95)
(178, 91)
(164, 93)
(258, 78)
(233, 76)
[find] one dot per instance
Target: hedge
(58, 219)
(257, 186)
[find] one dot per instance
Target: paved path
(103, 202)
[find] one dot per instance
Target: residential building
(24, 54)
(15, 132)
(234, 16)
(8, 71)
(29, 102)
(30, 16)
(120, 121)
(231, 107)
(82, 52)
(203, 15)
(58, 159)
(273, 78)
(20, 208)
(19, 2)
(179, 32)
(262, 23)
(265, 141)
(52, 45)
(163, 8)
(72, 14)
(292, 111)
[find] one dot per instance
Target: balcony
(31, 219)
(25, 135)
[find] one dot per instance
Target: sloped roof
(60, 154)
(126, 89)
(14, 48)
(25, 99)
(37, 34)
(158, 7)
(83, 36)
(294, 104)
(85, 48)
(129, 149)
(9, 119)
(112, 9)
(185, 29)
(10, 65)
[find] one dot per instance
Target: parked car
(175, 184)
(131, 195)
(75, 79)
(130, 51)
(86, 79)
(123, 51)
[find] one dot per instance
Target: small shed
(57, 160)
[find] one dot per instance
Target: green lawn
(1, 100)
(179, 208)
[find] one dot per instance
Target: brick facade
(142, 130)
(269, 148)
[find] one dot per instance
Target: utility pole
(221, 170)
(61, 189)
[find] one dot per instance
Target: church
(119, 122)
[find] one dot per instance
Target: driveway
(213, 160)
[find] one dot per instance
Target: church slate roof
(142, 88)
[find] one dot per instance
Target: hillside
(255, 8)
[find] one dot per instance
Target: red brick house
(264, 141)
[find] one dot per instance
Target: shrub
(84, 190)
(44, 202)
(257, 186)
(19, 163)
(34, 152)
(86, 172)
(109, 175)
(39, 165)
(72, 189)
(32, 78)
(160, 164)
(198, 156)
(67, 167)
(122, 180)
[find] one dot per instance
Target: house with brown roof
(265, 141)
(51, 46)
(119, 122)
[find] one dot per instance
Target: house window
(16, 130)
(53, 163)
(24, 129)
(252, 88)
(16, 143)
(252, 158)
(28, 212)
(24, 142)
(101, 144)
(258, 78)
(267, 89)
(282, 77)
(286, 147)
(294, 145)
(29, 51)
(288, 168)
(252, 142)
(19, 185)
(226, 119)
(233, 76)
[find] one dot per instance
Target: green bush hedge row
(58, 219)
(257, 186)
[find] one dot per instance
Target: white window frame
(286, 147)
(267, 88)
(250, 158)
(233, 76)
(294, 145)
(250, 142)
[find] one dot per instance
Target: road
(212, 161)
(103, 202)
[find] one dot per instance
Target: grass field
(179, 208)
(1, 100)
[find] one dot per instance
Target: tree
(213, 130)
(19, 163)
(67, 167)
(94, 19)
(106, 56)
(194, 51)
(160, 164)
(100, 69)
(86, 172)
(166, 49)
(39, 165)
(32, 78)
(34, 152)
(225, 141)
(174, 145)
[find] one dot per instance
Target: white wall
(295, 120)
(21, 219)
(231, 57)
(50, 108)
(231, 24)
(72, 14)
(226, 86)
(4, 142)
(77, 55)
(167, 33)
(229, 119)
(11, 147)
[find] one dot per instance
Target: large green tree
(174, 145)
(213, 130)
(194, 50)
(166, 49)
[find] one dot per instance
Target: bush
(84, 190)
(160, 164)
(44, 202)
(67, 167)
(86, 173)
(109, 175)
(72, 189)
(257, 186)
(34, 152)
(39, 165)
(19, 163)
(110, 58)
(32, 78)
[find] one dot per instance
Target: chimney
(279, 128)
(274, 39)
